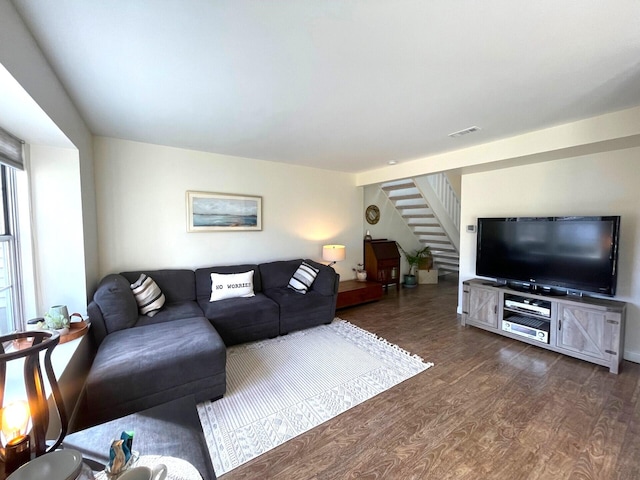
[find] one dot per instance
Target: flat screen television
(559, 254)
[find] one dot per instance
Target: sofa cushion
(240, 320)
(303, 278)
(302, 311)
(116, 302)
(231, 285)
(148, 295)
(171, 312)
(145, 366)
(177, 285)
(277, 274)
(203, 278)
(327, 281)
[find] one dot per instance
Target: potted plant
(55, 320)
(426, 258)
(361, 273)
(415, 260)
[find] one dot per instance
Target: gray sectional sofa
(142, 361)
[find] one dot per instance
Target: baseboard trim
(632, 356)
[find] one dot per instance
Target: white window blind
(11, 150)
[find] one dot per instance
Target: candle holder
(21, 445)
(16, 453)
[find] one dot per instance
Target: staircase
(431, 209)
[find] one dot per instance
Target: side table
(353, 292)
(177, 469)
(172, 429)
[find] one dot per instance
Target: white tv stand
(587, 328)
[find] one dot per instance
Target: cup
(158, 472)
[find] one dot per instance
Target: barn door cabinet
(589, 332)
(481, 307)
(587, 328)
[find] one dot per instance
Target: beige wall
(142, 210)
(598, 184)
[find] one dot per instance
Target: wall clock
(372, 214)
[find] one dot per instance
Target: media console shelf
(587, 328)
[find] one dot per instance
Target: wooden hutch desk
(382, 262)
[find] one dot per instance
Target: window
(11, 317)
(10, 290)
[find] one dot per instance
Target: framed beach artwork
(222, 212)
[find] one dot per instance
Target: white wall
(141, 192)
(59, 268)
(21, 56)
(598, 184)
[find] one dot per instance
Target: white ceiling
(337, 84)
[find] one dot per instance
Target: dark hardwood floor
(490, 408)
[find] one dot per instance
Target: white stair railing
(449, 216)
(447, 195)
(431, 209)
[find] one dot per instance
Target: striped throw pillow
(148, 295)
(303, 278)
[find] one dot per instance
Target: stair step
(409, 196)
(439, 261)
(399, 185)
(441, 254)
(417, 215)
(443, 249)
(438, 251)
(407, 190)
(426, 230)
(413, 207)
(432, 233)
(411, 203)
(420, 220)
(444, 240)
(448, 269)
(439, 242)
(447, 261)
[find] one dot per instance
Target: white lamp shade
(334, 253)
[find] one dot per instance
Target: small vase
(361, 276)
(57, 318)
(59, 310)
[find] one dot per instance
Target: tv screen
(572, 253)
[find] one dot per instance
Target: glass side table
(177, 468)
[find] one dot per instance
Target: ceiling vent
(466, 131)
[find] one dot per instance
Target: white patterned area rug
(282, 387)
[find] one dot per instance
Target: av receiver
(528, 305)
(527, 327)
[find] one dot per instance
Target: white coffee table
(177, 468)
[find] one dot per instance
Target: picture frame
(223, 212)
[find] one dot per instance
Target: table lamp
(15, 438)
(24, 425)
(333, 253)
